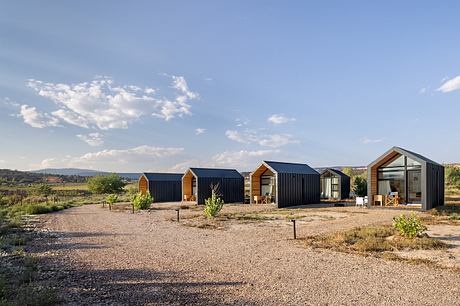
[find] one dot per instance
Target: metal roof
(281, 167)
(415, 156)
(216, 173)
(337, 172)
(163, 176)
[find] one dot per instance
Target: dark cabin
(285, 184)
(163, 187)
(197, 182)
(414, 179)
(335, 185)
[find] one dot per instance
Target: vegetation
(105, 184)
(374, 239)
(111, 199)
(360, 186)
(142, 200)
(409, 226)
(14, 178)
(452, 174)
(214, 204)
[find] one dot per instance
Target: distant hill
(84, 172)
(8, 176)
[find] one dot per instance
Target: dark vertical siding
(345, 187)
(231, 189)
(166, 191)
(297, 189)
(434, 186)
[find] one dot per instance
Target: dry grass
(374, 240)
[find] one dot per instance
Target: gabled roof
(335, 171)
(281, 167)
(162, 176)
(415, 156)
(216, 173)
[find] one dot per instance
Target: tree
(452, 175)
(360, 186)
(104, 184)
(348, 171)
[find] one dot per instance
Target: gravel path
(101, 257)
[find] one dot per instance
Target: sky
(129, 86)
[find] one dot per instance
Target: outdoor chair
(378, 198)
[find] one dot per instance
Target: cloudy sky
(165, 85)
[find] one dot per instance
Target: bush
(409, 226)
(214, 204)
(111, 199)
(44, 190)
(142, 201)
(111, 183)
(360, 186)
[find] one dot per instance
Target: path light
(293, 223)
(177, 214)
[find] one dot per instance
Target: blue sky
(165, 85)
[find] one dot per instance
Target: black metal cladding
(434, 186)
(166, 191)
(230, 188)
(297, 189)
(345, 187)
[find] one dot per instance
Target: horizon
(161, 87)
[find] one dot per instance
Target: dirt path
(97, 256)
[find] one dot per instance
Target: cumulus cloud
(199, 131)
(450, 85)
(267, 140)
(140, 157)
(279, 119)
(92, 139)
(103, 104)
(36, 119)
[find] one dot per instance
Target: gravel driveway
(100, 257)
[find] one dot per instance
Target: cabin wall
(344, 187)
(434, 186)
(187, 184)
(297, 189)
(231, 189)
(166, 191)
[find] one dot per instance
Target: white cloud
(35, 119)
(138, 158)
(199, 131)
(105, 105)
(279, 119)
(450, 85)
(92, 139)
(422, 91)
(366, 140)
(241, 159)
(267, 140)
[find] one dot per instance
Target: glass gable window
(194, 192)
(329, 186)
(268, 185)
(402, 175)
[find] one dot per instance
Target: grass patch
(374, 239)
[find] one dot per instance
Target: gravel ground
(95, 256)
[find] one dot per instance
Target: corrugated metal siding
(434, 186)
(232, 189)
(297, 189)
(345, 187)
(166, 191)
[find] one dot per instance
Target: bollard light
(178, 214)
(293, 224)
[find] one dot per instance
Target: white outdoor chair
(361, 201)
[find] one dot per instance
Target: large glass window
(268, 185)
(401, 175)
(329, 186)
(194, 186)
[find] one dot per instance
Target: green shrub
(409, 226)
(142, 201)
(111, 183)
(454, 216)
(452, 174)
(214, 204)
(111, 199)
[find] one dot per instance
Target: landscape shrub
(409, 226)
(214, 204)
(111, 199)
(142, 201)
